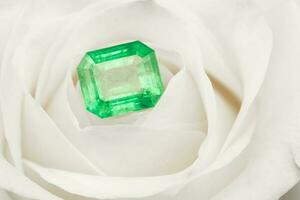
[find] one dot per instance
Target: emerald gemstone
(120, 79)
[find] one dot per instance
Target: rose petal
(293, 194)
(36, 126)
(259, 43)
(8, 13)
(253, 43)
(2, 139)
(270, 174)
(4, 195)
(15, 181)
(272, 170)
(179, 107)
(105, 187)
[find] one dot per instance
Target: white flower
(226, 127)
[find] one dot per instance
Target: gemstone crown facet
(120, 79)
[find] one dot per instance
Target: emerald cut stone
(120, 79)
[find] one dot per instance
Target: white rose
(226, 127)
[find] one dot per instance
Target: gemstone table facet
(120, 79)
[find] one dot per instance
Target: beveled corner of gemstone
(120, 79)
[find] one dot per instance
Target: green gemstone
(120, 79)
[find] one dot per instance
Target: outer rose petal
(272, 171)
(2, 139)
(293, 194)
(4, 195)
(14, 181)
